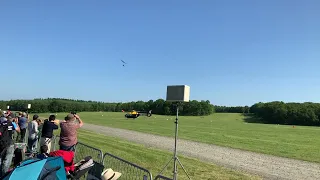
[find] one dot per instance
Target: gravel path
(267, 166)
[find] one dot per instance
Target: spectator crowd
(17, 129)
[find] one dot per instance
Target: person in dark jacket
(47, 132)
(43, 152)
(7, 143)
(23, 124)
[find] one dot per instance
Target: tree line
(160, 106)
(232, 109)
(278, 112)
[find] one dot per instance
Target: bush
(288, 113)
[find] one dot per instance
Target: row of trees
(160, 106)
(232, 109)
(278, 112)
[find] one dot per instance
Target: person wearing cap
(16, 129)
(2, 117)
(23, 123)
(33, 133)
(68, 133)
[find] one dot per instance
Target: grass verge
(224, 129)
(154, 159)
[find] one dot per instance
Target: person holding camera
(68, 133)
(47, 131)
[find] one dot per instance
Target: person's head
(39, 121)
(109, 174)
(43, 149)
(70, 117)
(35, 117)
(24, 114)
(3, 119)
(11, 117)
(52, 117)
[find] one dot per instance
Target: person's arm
(54, 126)
(36, 130)
(57, 122)
(16, 127)
(80, 121)
(62, 121)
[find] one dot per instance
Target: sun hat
(109, 174)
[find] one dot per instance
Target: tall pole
(175, 169)
(175, 157)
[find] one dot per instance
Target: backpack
(5, 138)
(18, 157)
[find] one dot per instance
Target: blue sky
(230, 52)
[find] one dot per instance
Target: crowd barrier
(130, 170)
(83, 150)
(55, 145)
(102, 161)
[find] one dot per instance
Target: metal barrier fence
(55, 145)
(83, 150)
(129, 170)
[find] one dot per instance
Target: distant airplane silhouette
(123, 62)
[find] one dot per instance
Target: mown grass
(154, 160)
(225, 129)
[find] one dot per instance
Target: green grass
(154, 160)
(223, 129)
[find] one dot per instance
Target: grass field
(223, 129)
(154, 160)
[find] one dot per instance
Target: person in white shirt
(33, 134)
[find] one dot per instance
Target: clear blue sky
(230, 52)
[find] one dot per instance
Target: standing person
(18, 134)
(47, 132)
(2, 117)
(33, 133)
(68, 134)
(23, 123)
(40, 126)
(6, 142)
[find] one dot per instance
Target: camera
(73, 112)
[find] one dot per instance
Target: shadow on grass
(251, 118)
